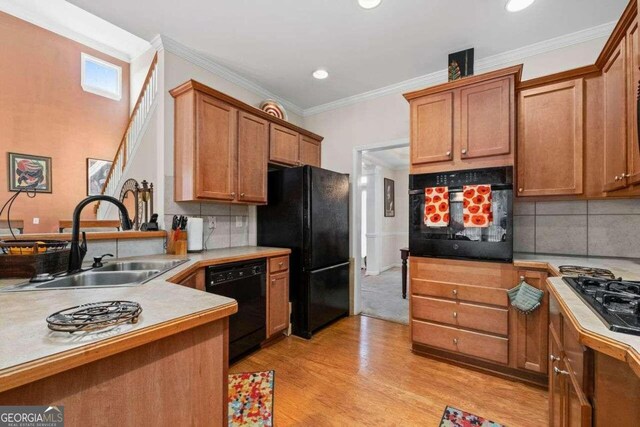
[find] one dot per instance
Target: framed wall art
(97, 172)
(389, 198)
(29, 171)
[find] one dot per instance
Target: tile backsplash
(234, 224)
(595, 227)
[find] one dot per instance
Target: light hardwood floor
(361, 372)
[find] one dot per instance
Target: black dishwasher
(246, 283)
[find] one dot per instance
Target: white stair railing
(131, 136)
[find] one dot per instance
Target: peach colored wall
(45, 112)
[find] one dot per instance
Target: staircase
(132, 135)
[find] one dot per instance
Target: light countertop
(26, 340)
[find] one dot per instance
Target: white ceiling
(278, 44)
(392, 158)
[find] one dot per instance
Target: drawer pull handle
(455, 292)
(464, 151)
(455, 341)
(554, 358)
(448, 153)
(455, 314)
(281, 263)
(559, 371)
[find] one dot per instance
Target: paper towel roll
(194, 234)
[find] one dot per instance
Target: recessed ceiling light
(369, 4)
(321, 74)
(518, 5)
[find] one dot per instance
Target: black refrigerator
(308, 212)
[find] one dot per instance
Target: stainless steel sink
(92, 279)
(139, 265)
(115, 274)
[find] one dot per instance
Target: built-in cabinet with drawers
(222, 147)
(464, 124)
(460, 311)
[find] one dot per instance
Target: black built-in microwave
(492, 243)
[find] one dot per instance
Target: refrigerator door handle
(331, 267)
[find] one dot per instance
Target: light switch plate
(36, 221)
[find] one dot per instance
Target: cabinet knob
(617, 178)
(455, 341)
(455, 315)
(626, 175)
(273, 280)
(464, 151)
(554, 358)
(455, 292)
(520, 190)
(448, 153)
(241, 194)
(558, 371)
(233, 194)
(281, 263)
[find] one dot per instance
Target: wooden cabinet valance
(222, 147)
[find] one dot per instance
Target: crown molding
(43, 21)
(482, 65)
(204, 61)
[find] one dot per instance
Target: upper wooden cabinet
(615, 120)
(468, 123)
(486, 117)
(550, 140)
(284, 146)
(222, 147)
(253, 152)
(310, 151)
(633, 61)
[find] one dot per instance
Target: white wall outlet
(212, 222)
(36, 221)
(239, 221)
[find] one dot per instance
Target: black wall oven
(492, 243)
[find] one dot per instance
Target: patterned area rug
(251, 399)
(453, 417)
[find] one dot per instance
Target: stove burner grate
(576, 270)
(93, 316)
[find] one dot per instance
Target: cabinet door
(284, 145)
(531, 330)
(556, 385)
(309, 151)
(578, 410)
(253, 158)
(550, 140)
(633, 61)
(278, 303)
(615, 120)
(432, 128)
(216, 149)
(487, 112)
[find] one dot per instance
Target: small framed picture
(97, 172)
(389, 198)
(29, 171)
(460, 64)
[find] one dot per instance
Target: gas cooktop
(617, 302)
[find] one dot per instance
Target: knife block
(177, 242)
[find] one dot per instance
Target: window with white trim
(101, 77)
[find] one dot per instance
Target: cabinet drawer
(474, 344)
(465, 315)
(472, 273)
(459, 292)
(278, 264)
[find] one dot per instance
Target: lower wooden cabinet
(278, 296)
(461, 309)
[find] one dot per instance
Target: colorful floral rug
(251, 399)
(453, 417)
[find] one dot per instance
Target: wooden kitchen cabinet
(486, 119)
(310, 151)
(278, 296)
(468, 123)
(253, 153)
(615, 119)
(284, 145)
(222, 147)
(633, 88)
(530, 331)
(432, 125)
(550, 140)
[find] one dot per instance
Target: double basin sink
(113, 274)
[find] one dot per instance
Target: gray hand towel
(524, 297)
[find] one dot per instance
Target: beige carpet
(382, 297)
